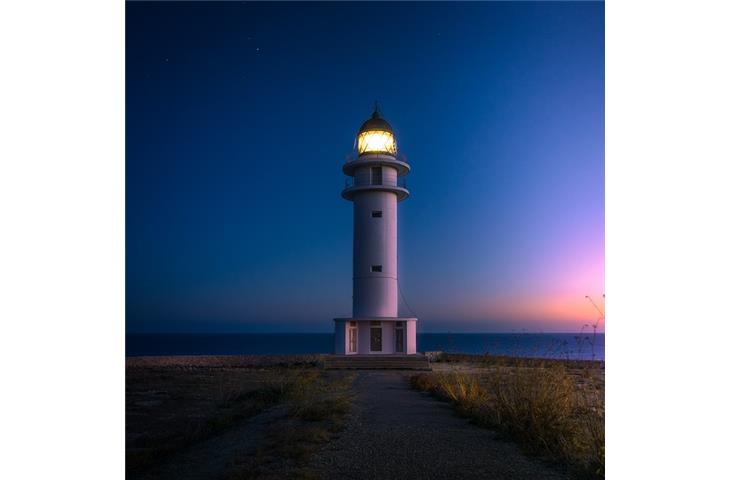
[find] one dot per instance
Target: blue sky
(238, 120)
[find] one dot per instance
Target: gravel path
(398, 433)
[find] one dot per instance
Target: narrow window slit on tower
(376, 268)
(376, 175)
(377, 214)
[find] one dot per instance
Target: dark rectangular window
(377, 214)
(376, 268)
(376, 175)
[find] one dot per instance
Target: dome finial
(376, 111)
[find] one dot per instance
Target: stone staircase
(376, 362)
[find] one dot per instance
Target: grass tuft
(316, 409)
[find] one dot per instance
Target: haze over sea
(544, 345)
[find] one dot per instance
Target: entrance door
(399, 340)
(376, 339)
(352, 337)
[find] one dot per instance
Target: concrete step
(390, 362)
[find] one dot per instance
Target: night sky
(238, 120)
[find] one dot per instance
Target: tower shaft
(375, 255)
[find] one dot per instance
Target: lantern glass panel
(376, 141)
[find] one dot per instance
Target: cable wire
(400, 292)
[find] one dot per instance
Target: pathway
(398, 433)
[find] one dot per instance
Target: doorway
(399, 337)
(352, 337)
(376, 337)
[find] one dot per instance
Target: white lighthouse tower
(376, 186)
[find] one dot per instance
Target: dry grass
(169, 409)
(316, 406)
(316, 398)
(549, 409)
(175, 407)
(172, 406)
(488, 360)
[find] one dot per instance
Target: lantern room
(376, 136)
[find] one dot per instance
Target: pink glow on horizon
(547, 310)
(553, 298)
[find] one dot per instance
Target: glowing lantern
(376, 136)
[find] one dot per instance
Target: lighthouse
(375, 184)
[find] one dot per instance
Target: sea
(571, 346)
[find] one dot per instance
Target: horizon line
(330, 333)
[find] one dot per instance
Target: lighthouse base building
(375, 336)
(375, 185)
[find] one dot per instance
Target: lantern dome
(376, 136)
